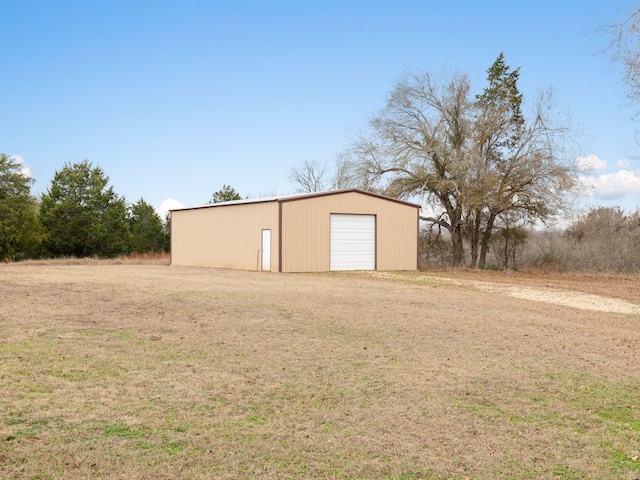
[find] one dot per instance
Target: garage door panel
(353, 242)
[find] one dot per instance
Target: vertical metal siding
(306, 231)
(225, 237)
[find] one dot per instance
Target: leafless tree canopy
(474, 160)
(605, 239)
(313, 176)
(309, 177)
(625, 50)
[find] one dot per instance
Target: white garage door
(353, 242)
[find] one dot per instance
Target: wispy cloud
(623, 163)
(166, 205)
(590, 163)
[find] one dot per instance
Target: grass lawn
(157, 372)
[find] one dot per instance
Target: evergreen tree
(20, 231)
(82, 215)
(498, 131)
(148, 233)
(225, 194)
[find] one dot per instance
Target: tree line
(604, 239)
(79, 215)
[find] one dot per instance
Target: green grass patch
(578, 407)
(624, 461)
(567, 473)
(122, 431)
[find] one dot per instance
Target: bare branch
(309, 176)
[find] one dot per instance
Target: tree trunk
(506, 251)
(457, 244)
(475, 238)
(486, 237)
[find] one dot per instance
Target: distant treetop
(225, 194)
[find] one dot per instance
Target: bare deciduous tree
(472, 159)
(309, 177)
(313, 176)
(604, 239)
(625, 50)
(418, 145)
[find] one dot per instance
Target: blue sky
(173, 99)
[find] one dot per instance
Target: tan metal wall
(306, 229)
(226, 237)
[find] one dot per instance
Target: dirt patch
(150, 371)
(576, 300)
(546, 289)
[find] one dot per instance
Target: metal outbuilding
(336, 230)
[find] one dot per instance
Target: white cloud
(623, 163)
(613, 185)
(166, 205)
(590, 163)
(24, 168)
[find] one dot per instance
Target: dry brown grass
(615, 285)
(149, 371)
(149, 258)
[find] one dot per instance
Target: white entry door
(266, 250)
(353, 242)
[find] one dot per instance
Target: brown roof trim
(302, 196)
(227, 204)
